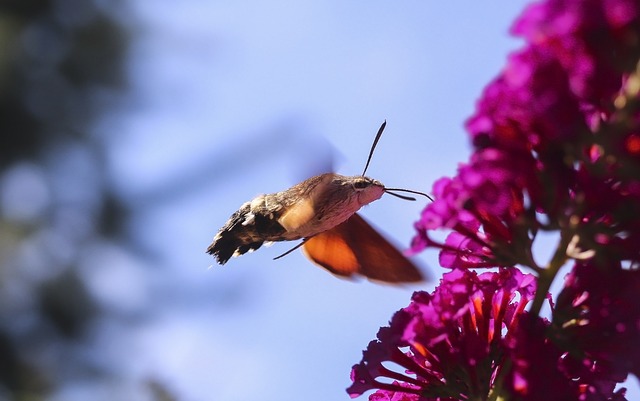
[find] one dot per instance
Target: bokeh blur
(132, 130)
(62, 72)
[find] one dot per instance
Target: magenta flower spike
(448, 344)
(556, 148)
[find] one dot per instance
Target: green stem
(548, 274)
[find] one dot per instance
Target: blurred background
(131, 130)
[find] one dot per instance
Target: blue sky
(251, 97)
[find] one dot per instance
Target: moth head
(367, 189)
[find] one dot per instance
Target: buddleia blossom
(556, 140)
(449, 344)
(556, 148)
(541, 369)
(597, 317)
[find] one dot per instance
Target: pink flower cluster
(451, 342)
(555, 143)
(556, 140)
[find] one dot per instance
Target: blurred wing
(310, 154)
(331, 250)
(355, 247)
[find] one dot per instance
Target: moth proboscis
(322, 212)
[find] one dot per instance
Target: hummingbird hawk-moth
(322, 212)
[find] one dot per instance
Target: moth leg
(292, 249)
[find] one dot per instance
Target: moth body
(311, 207)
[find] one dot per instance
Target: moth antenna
(292, 249)
(373, 147)
(387, 190)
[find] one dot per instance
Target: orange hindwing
(354, 247)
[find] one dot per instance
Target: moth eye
(360, 184)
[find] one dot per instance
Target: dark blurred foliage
(61, 73)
